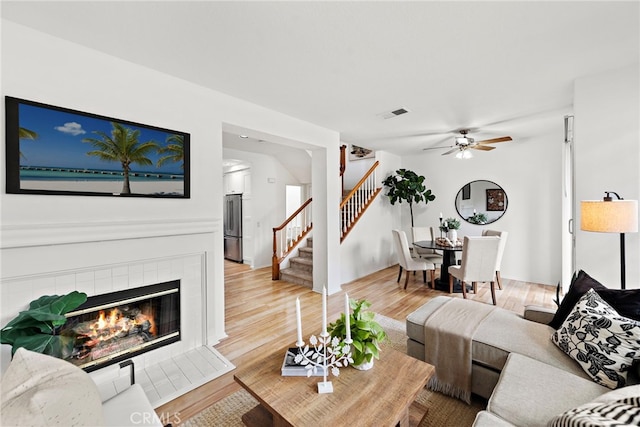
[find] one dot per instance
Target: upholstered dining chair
(503, 241)
(425, 233)
(479, 254)
(408, 263)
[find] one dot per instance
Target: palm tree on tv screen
(122, 146)
(174, 149)
(24, 133)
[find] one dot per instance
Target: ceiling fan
(464, 143)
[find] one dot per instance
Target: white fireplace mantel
(29, 235)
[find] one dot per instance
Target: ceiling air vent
(394, 113)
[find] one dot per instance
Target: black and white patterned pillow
(624, 412)
(604, 343)
(616, 408)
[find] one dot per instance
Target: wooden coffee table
(380, 396)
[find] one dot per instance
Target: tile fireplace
(115, 326)
(164, 371)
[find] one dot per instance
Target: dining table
(448, 259)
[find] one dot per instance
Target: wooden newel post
(343, 164)
(275, 263)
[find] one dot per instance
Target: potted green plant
(408, 186)
(366, 333)
(38, 328)
(478, 218)
(450, 226)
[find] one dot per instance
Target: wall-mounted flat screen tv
(54, 150)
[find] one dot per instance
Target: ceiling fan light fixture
(464, 154)
(464, 140)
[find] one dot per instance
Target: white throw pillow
(604, 343)
(41, 390)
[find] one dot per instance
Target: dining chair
(408, 263)
(503, 241)
(425, 233)
(479, 255)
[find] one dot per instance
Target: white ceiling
(499, 68)
(296, 161)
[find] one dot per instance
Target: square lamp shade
(615, 216)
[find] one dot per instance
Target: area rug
(442, 411)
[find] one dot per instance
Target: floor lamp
(611, 216)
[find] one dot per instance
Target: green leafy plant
(478, 218)
(366, 333)
(38, 328)
(407, 186)
(450, 224)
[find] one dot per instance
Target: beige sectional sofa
(526, 377)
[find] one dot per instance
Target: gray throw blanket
(448, 334)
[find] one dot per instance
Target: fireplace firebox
(112, 327)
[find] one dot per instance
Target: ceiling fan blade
(451, 151)
(494, 140)
(483, 147)
(438, 148)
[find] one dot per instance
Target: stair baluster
(294, 229)
(288, 235)
(357, 201)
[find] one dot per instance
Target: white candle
(299, 321)
(347, 317)
(324, 310)
(474, 211)
(440, 215)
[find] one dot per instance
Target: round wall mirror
(481, 202)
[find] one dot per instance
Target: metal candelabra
(326, 353)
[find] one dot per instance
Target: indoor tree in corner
(406, 185)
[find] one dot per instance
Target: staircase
(295, 228)
(300, 270)
(356, 202)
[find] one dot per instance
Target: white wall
(369, 246)
(355, 170)
(607, 141)
(529, 171)
(267, 201)
(51, 234)
(326, 238)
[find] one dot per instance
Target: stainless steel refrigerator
(233, 227)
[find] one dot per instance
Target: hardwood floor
(260, 311)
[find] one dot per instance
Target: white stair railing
(357, 201)
(288, 235)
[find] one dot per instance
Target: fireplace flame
(119, 325)
(114, 324)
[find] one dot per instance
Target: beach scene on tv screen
(64, 151)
